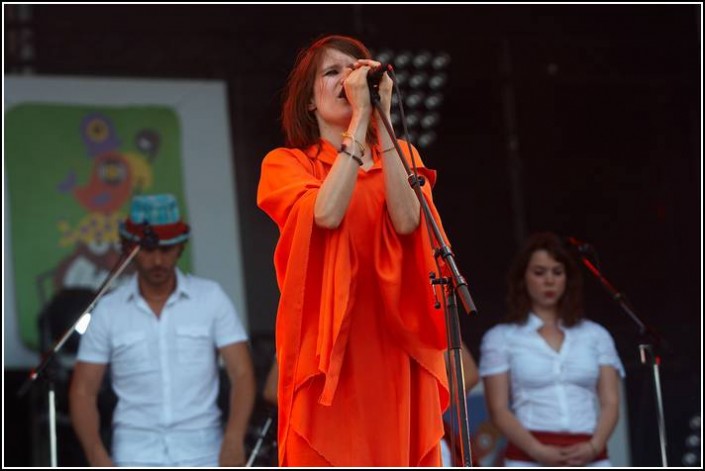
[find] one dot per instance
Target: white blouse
(551, 391)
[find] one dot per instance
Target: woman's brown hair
(298, 121)
(570, 305)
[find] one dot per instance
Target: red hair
(298, 121)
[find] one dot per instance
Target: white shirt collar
(534, 322)
(182, 286)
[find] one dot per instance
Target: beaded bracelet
(347, 134)
(344, 150)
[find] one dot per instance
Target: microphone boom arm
(646, 349)
(459, 283)
(41, 370)
(456, 378)
(36, 372)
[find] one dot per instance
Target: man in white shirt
(161, 333)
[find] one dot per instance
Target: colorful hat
(158, 214)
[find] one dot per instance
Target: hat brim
(168, 234)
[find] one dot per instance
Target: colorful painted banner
(71, 171)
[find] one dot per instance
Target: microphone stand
(455, 285)
(646, 349)
(261, 436)
(41, 371)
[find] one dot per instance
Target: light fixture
(422, 59)
(427, 138)
(418, 80)
(430, 120)
(441, 61)
(413, 119)
(433, 102)
(402, 77)
(415, 99)
(385, 56)
(421, 78)
(692, 455)
(436, 82)
(395, 119)
(403, 59)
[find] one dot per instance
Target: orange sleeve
(403, 265)
(314, 272)
(287, 175)
(287, 193)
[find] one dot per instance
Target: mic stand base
(456, 377)
(649, 358)
(52, 424)
(260, 439)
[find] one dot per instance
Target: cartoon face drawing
(115, 175)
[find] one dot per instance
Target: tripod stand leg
(52, 425)
(260, 440)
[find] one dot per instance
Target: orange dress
(362, 378)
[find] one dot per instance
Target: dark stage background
(600, 103)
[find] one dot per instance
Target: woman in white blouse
(548, 369)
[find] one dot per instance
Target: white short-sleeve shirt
(164, 369)
(550, 391)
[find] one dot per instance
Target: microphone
(580, 246)
(374, 77)
(150, 239)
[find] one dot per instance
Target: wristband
(357, 159)
(347, 134)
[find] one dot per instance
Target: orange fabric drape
(359, 345)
